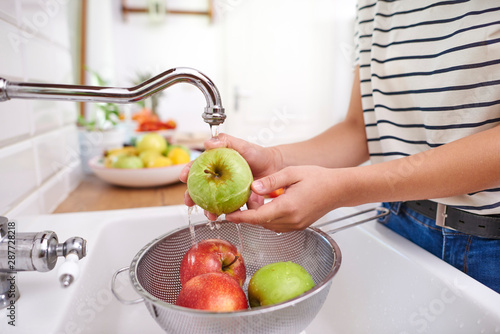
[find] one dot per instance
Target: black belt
(462, 221)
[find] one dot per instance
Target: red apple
(213, 256)
(216, 292)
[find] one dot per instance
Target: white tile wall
(17, 174)
(53, 192)
(45, 116)
(73, 174)
(30, 206)
(39, 151)
(15, 121)
(8, 10)
(49, 150)
(56, 62)
(48, 18)
(12, 44)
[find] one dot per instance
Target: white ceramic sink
(385, 283)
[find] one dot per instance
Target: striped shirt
(430, 74)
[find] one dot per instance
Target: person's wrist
(348, 187)
(277, 156)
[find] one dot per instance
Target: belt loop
(395, 207)
(441, 215)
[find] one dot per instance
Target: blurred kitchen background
(284, 70)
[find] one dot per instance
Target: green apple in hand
(278, 282)
(219, 181)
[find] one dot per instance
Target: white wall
(39, 157)
(288, 60)
(119, 50)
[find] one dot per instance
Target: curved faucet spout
(213, 114)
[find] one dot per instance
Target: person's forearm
(464, 166)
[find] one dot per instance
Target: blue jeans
(477, 257)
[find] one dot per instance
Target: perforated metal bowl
(154, 273)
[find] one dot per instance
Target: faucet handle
(74, 245)
(69, 271)
(72, 250)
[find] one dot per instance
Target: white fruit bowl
(136, 178)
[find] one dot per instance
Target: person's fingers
(260, 216)
(185, 172)
(280, 179)
(187, 199)
(297, 208)
(225, 140)
(255, 201)
(247, 150)
(211, 216)
(271, 217)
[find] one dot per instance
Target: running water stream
(214, 129)
(191, 226)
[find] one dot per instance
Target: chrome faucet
(37, 251)
(213, 114)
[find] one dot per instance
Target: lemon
(179, 156)
(160, 161)
(151, 142)
(171, 147)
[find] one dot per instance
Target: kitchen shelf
(126, 10)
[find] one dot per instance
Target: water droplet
(211, 225)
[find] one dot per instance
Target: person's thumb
(267, 184)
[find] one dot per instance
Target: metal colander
(154, 273)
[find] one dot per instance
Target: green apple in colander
(278, 282)
(219, 181)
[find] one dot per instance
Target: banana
(130, 150)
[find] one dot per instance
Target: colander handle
(381, 212)
(117, 296)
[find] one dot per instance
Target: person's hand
(262, 162)
(310, 192)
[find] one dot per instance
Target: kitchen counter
(94, 194)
